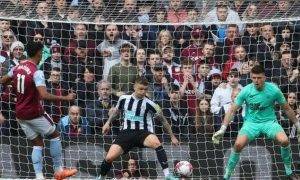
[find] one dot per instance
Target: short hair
(187, 61)
(258, 69)
(103, 81)
(153, 51)
(56, 69)
(33, 48)
(141, 80)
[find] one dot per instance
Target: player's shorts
(42, 125)
(131, 138)
(253, 130)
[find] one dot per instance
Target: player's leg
(247, 133)
(152, 141)
(275, 131)
(45, 126)
(240, 143)
(37, 149)
(113, 153)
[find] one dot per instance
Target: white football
(184, 168)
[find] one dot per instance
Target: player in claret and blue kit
(29, 85)
(260, 98)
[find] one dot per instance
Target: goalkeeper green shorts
(253, 130)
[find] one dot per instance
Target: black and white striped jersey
(137, 113)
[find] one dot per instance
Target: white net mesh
(86, 49)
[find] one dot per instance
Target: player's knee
(284, 142)
(109, 159)
(238, 146)
(156, 144)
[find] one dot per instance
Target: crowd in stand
(194, 71)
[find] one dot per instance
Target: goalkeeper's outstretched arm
(227, 119)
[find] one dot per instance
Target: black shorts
(131, 138)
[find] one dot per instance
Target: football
(184, 168)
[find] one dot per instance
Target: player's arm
(227, 119)
(48, 96)
(292, 117)
(166, 125)
(40, 84)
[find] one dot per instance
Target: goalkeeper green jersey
(260, 105)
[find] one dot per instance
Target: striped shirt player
(137, 112)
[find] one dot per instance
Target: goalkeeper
(260, 98)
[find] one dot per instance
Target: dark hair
(258, 69)
(152, 51)
(56, 69)
(33, 48)
(141, 80)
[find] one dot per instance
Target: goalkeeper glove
(219, 134)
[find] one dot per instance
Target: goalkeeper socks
(56, 153)
(105, 167)
(162, 157)
(36, 157)
(287, 160)
(232, 161)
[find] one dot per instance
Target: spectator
(26, 9)
(133, 34)
(128, 13)
(122, 75)
(239, 6)
(74, 125)
(97, 31)
(251, 39)
(132, 171)
(110, 48)
(266, 47)
(176, 13)
(221, 99)
(55, 61)
(236, 62)
(204, 122)
(286, 9)
(164, 39)
(250, 12)
(222, 13)
(98, 110)
(193, 15)
(266, 9)
(225, 50)
(201, 77)
(188, 84)
(80, 33)
(5, 25)
(169, 59)
(85, 87)
(214, 80)
(95, 8)
(286, 75)
(60, 10)
(194, 50)
(286, 124)
(143, 12)
(57, 87)
(79, 60)
(160, 16)
(208, 52)
(245, 71)
(159, 86)
(178, 114)
(140, 61)
(17, 54)
(8, 37)
(39, 37)
(74, 14)
(154, 57)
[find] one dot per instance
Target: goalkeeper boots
(293, 176)
(60, 175)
